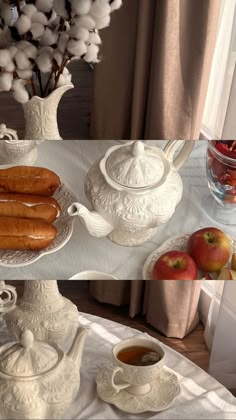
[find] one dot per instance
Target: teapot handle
(184, 153)
(7, 133)
(8, 302)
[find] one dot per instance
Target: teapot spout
(8, 298)
(76, 351)
(95, 224)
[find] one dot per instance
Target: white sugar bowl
(14, 151)
(133, 189)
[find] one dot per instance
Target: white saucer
(177, 243)
(163, 392)
(64, 225)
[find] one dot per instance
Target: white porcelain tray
(177, 243)
(64, 225)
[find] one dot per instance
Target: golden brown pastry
(27, 206)
(25, 233)
(29, 180)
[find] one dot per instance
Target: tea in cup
(137, 363)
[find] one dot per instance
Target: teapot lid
(136, 166)
(28, 357)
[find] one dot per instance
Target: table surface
(202, 397)
(71, 160)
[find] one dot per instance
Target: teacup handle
(118, 387)
(8, 303)
(183, 155)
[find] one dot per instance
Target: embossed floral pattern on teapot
(133, 189)
(37, 379)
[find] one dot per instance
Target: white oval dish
(177, 243)
(64, 225)
(93, 275)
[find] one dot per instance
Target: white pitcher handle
(173, 145)
(10, 297)
(7, 133)
(118, 387)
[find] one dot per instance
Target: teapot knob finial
(27, 339)
(138, 148)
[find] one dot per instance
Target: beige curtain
(170, 306)
(156, 60)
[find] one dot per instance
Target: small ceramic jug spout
(76, 351)
(95, 224)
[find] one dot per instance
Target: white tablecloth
(202, 397)
(71, 160)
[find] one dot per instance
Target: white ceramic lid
(28, 357)
(135, 165)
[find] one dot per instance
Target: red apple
(175, 265)
(210, 249)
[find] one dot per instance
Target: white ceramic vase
(44, 311)
(41, 115)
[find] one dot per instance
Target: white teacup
(136, 379)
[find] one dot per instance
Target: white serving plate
(177, 243)
(64, 225)
(93, 275)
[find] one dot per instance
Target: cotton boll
(45, 50)
(115, 4)
(63, 42)
(44, 5)
(10, 68)
(23, 24)
(64, 79)
(59, 6)
(49, 37)
(103, 22)
(54, 17)
(81, 7)
(5, 57)
(24, 74)
(44, 62)
(92, 54)
(100, 8)
(6, 13)
(31, 51)
(37, 30)
(94, 38)
(21, 95)
(77, 48)
(12, 50)
(79, 33)
(6, 82)
(29, 10)
(22, 61)
(86, 22)
(58, 57)
(21, 45)
(39, 18)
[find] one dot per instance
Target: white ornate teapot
(133, 189)
(37, 379)
(14, 151)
